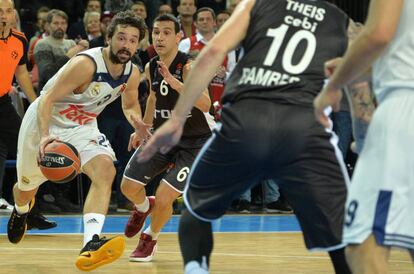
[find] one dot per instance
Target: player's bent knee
(129, 186)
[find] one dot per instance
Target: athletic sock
(92, 223)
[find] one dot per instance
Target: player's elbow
(380, 37)
(215, 51)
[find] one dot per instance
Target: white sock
(92, 224)
(154, 235)
(193, 267)
(144, 206)
(22, 209)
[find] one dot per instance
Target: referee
(13, 56)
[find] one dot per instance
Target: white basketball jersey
(395, 68)
(82, 109)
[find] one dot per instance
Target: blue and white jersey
(394, 70)
(82, 109)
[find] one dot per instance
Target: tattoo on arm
(363, 105)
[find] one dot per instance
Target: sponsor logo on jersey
(76, 114)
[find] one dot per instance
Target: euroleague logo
(14, 54)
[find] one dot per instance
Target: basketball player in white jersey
(67, 110)
(381, 199)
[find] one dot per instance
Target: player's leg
(196, 243)
(315, 183)
(98, 251)
(101, 171)
(143, 205)
(368, 257)
(29, 176)
(136, 177)
(17, 224)
(379, 202)
(230, 163)
(163, 209)
(97, 159)
(161, 213)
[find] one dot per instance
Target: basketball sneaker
(137, 219)
(100, 251)
(145, 250)
(278, 207)
(17, 225)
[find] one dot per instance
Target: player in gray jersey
(381, 197)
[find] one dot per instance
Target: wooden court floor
(233, 253)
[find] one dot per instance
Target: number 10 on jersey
(279, 35)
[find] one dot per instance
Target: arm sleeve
(24, 58)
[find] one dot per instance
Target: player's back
(395, 68)
(286, 45)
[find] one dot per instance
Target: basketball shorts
(177, 162)
(260, 139)
(381, 195)
(86, 139)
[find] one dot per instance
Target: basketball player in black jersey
(268, 129)
(166, 74)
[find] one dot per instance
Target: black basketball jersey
(285, 48)
(198, 124)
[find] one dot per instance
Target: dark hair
(140, 3)
(195, 3)
(204, 9)
(56, 12)
(223, 12)
(171, 18)
(42, 9)
(127, 18)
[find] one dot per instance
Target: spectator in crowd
(222, 17)
(78, 30)
(116, 6)
(52, 52)
(186, 11)
(41, 32)
(92, 22)
(100, 41)
(165, 9)
(205, 21)
(140, 10)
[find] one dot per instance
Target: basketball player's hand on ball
(163, 140)
(44, 140)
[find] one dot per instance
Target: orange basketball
(61, 162)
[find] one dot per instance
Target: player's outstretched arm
(132, 110)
